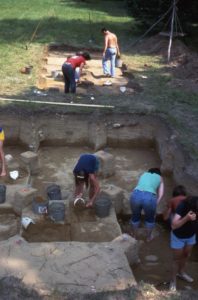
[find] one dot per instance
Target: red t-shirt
(76, 61)
(175, 201)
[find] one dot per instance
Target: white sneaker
(107, 83)
(185, 277)
(172, 286)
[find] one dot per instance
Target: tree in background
(150, 11)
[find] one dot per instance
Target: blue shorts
(179, 243)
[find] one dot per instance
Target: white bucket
(79, 199)
(14, 174)
(26, 221)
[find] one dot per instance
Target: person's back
(87, 163)
(178, 195)
(111, 40)
(76, 61)
(149, 182)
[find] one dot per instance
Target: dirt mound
(159, 45)
(183, 64)
(188, 68)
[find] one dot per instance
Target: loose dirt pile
(183, 64)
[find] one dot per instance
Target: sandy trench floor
(92, 81)
(56, 166)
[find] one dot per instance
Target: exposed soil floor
(92, 81)
(56, 167)
(57, 164)
(158, 271)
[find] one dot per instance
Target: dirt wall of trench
(103, 130)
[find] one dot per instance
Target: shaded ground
(155, 264)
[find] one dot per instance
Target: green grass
(38, 23)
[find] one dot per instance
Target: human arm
(166, 213)
(105, 45)
(117, 48)
(94, 188)
(160, 191)
(81, 68)
(179, 221)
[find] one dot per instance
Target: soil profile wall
(100, 131)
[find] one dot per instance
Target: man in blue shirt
(85, 175)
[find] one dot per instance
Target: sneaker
(107, 83)
(185, 277)
(172, 286)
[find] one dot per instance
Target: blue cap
(1, 129)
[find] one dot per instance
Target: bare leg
(177, 258)
(3, 171)
(185, 255)
(149, 234)
(79, 190)
(91, 194)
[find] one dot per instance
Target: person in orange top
(69, 67)
(2, 156)
(178, 195)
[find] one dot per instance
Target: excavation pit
(136, 143)
(92, 81)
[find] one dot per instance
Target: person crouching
(69, 67)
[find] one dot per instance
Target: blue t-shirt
(149, 182)
(87, 163)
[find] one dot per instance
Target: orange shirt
(76, 61)
(175, 201)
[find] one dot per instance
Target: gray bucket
(56, 211)
(118, 63)
(2, 193)
(39, 205)
(102, 207)
(54, 192)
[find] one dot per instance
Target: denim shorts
(179, 243)
(146, 201)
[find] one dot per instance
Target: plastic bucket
(118, 63)
(56, 211)
(54, 192)
(39, 205)
(26, 221)
(2, 193)
(102, 207)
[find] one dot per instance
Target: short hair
(155, 170)
(86, 55)
(104, 29)
(179, 190)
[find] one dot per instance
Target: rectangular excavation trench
(132, 144)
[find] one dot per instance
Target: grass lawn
(31, 25)
(27, 26)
